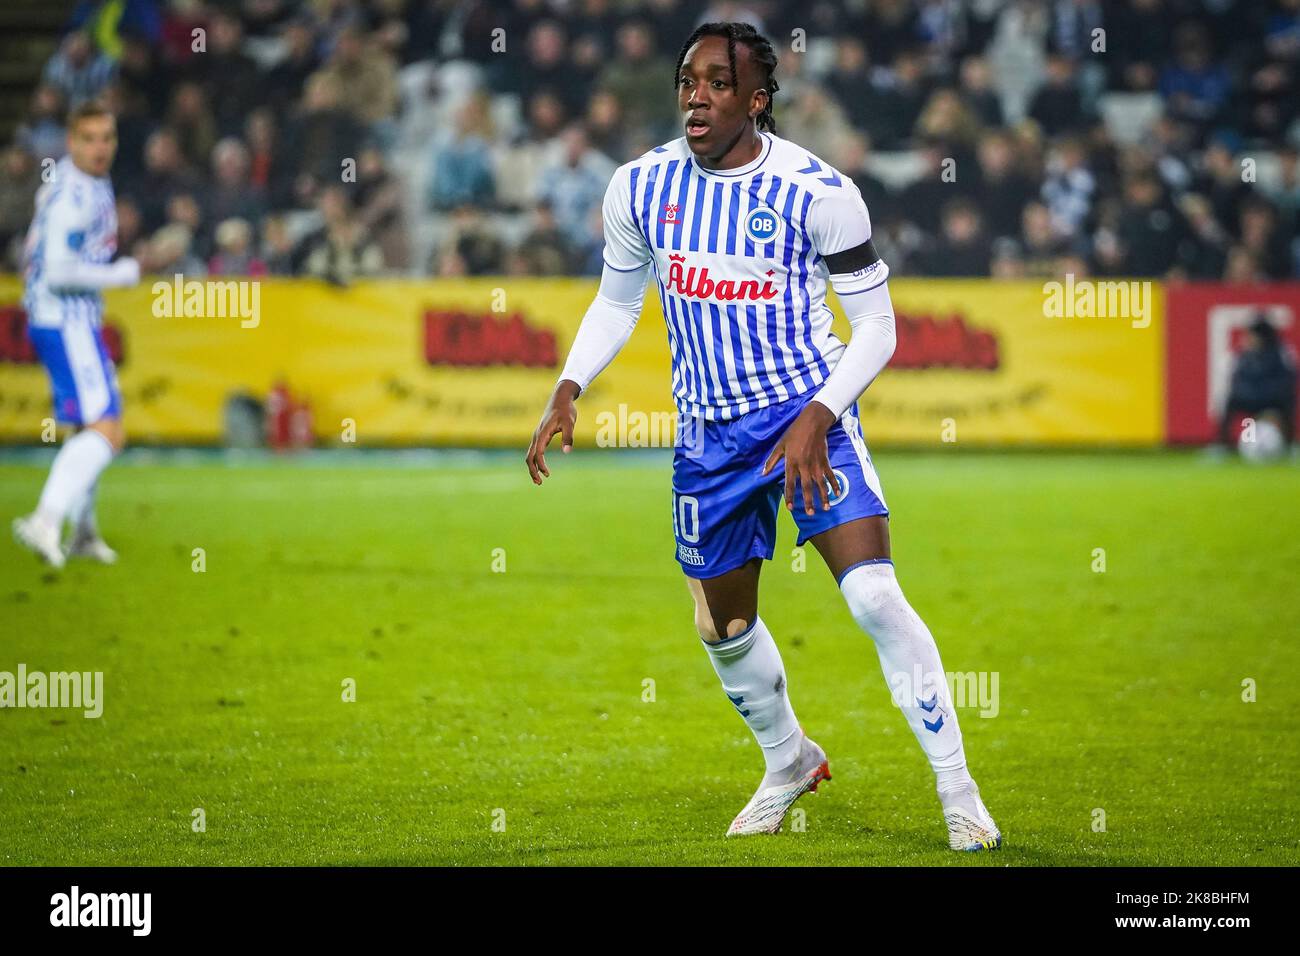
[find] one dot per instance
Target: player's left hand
(807, 458)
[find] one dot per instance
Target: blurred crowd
(345, 138)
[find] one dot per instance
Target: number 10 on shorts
(686, 518)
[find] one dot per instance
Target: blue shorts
(82, 377)
(724, 509)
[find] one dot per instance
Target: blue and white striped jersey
(75, 221)
(739, 258)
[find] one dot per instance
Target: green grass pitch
(486, 695)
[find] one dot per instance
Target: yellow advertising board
(472, 361)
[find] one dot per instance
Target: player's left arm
(841, 231)
(65, 235)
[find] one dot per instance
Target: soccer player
(742, 231)
(68, 256)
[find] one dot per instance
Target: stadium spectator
(1263, 382)
(130, 225)
(20, 177)
(1003, 188)
(268, 171)
(895, 100)
(234, 255)
(1261, 237)
(576, 183)
(473, 247)
(192, 122)
(977, 92)
(853, 159)
(78, 70)
(461, 169)
(1150, 228)
(1040, 244)
(636, 72)
(284, 82)
(1069, 187)
(1204, 253)
(277, 246)
(1195, 88)
(43, 134)
(924, 197)
(946, 117)
(168, 252)
(319, 137)
(142, 72)
(165, 175)
(963, 248)
(232, 195)
(379, 200)
(226, 70)
(1058, 106)
(365, 75)
(544, 250)
(815, 121)
(606, 124)
(1284, 192)
(341, 251)
(545, 65)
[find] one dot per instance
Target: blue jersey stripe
(636, 219)
(684, 384)
(731, 219)
(665, 194)
(805, 269)
(681, 206)
(769, 249)
(755, 185)
(723, 348)
(647, 194)
(697, 217)
(715, 214)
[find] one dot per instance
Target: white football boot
(90, 546)
(970, 828)
(39, 537)
(778, 791)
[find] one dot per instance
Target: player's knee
(869, 590)
(703, 619)
(113, 431)
(705, 627)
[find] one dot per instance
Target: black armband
(851, 260)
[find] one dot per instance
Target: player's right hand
(560, 416)
(127, 271)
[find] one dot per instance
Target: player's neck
(82, 169)
(742, 152)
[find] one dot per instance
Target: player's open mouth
(696, 127)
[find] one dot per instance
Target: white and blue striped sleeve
(625, 247)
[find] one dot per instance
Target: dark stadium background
(477, 163)
(1104, 550)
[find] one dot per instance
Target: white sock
(76, 468)
(753, 677)
(82, 515)
(910, 661)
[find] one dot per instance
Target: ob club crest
(762, 224)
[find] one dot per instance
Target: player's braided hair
(760, 49)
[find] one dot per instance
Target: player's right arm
(65, 269)
(605, 328)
